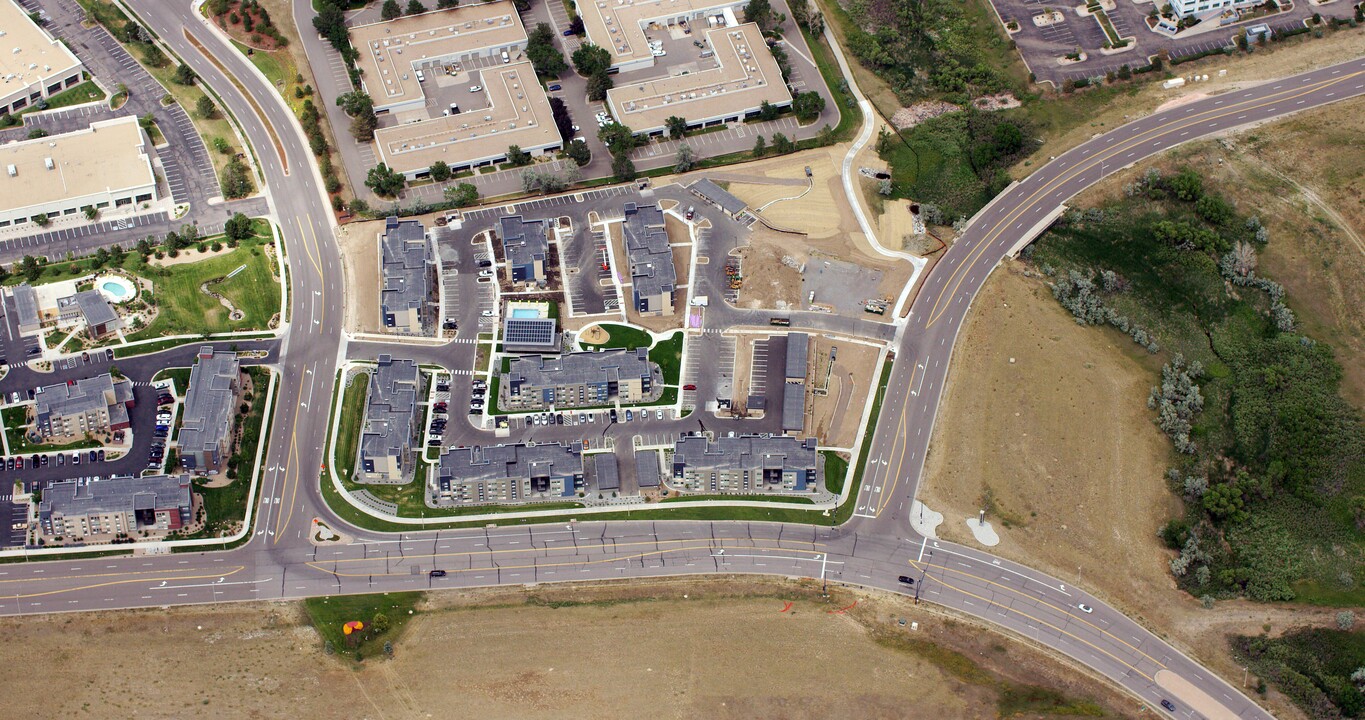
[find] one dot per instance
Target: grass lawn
(797, 499)
(154, 347)
(180, 375)
(348, 432)
(16, 432)
(668, 355)
(623, 336)
(836, 468)
(384, 616)
(186, 309)
(83, 93)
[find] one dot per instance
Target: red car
(689, 386)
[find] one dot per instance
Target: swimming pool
(523, 313)
(116, 289)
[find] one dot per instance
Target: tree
(578, 152)
(380, 623)
(236, 180)
(384, 181)
(767, 111)
(546, 182)
(183, 75)
(760, 147)
(30, 268)
(685, 160)
(153, 56)
(518, 157)
(677, 127)
(330, 22)
(622, 168)
(440, 171)
(1186, 185)
(462, 195)
(204, 107)
(415, 7)
(589, 59)
(782, 144)
(91, 212)
(598, 85)
(238, 227)
(443, 4)
(391, 10)
(618, 138)
(576, 25)
(761, 12)
(563, 121)
(42, 220)
(808, 106)
(542, 52)
(360, 107)
(36, 133)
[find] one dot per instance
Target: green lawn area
(153, 347)
(181, 376)
(623, 336)
(796, 499)
(187, 309)
(16, 432)
(836, 468)
(384, 615)
(850, 116)
(348, 432)
(668, 355)
(83, 93)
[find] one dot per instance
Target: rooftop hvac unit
(511, 126)
(15, 51)
(48, 163)
(13, 171)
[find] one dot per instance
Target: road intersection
(872, 550)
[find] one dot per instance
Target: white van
(421, 77)
(505, 58)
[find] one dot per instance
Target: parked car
(93, 456)
(659, 414)
(691, 212)
(630, 416)
(75, 458)
(44, 461)
(555, 86)
(9, 464)
(437, 573)
(475, 88)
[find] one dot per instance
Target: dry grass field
(722, 648)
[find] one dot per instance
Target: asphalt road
(872, 550)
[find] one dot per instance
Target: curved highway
(872, 550)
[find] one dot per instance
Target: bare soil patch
(836, 414)
(360, 256)
(669, 649)
(594, 335)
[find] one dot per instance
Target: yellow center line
(901, 442)
(1021, 613)
(1039, 601)
(777, 545)
(1074, 171)
(45, 593)
(49, 578)
(281, 513)
(319, 566)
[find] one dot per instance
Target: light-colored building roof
(109, 155)
(518, 113)
(619, 25)
(746, 74)
(389, 50)
(27, 53)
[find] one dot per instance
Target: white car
(575, 128)
(1085, 608)
(475, 88)
(487, 313)
(485, 273)
(658, 414)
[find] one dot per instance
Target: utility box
(1172, 83)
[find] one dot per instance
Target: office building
(626, 27)
(33, 64)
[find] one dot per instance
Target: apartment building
(525, 248)
(104, 509)
(408, 277)
(509, 473)
(83, 407)
(582, 379)
(653, 277)
(745, 464)
(389, 430)
(205, 437)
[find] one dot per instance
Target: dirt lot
(631, 651)
(823, 214)
(1057, 445)
(835, 415)
(360, 256)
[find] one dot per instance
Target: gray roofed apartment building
(155, 504)
(86, 406)
(653, 278)
(582, 379)
(407, 274)
(530, 335)
(509, 473)
(388, 433)
(647, 468)
(746, 463)
(205, 435)
(91, 308)
(525, 248)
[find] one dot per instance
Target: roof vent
(13, 171)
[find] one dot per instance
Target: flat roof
(518, 113)
(389, 50)
(108, 155)
(798, 345)
(714, 193)
(618, 25)
(27, 53)
(746, 74)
